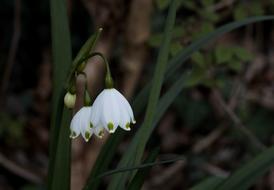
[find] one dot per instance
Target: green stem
(76, 65)
(81, 64)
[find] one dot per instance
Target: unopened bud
(69, 100)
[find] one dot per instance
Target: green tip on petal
(87, 136)
(128, 126)
(111, 127)
(101, 134)
(73, 135)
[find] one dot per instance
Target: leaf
(242, 54)
(223, 54)
(196, 77)
(142, 166)
(235, 65)
(199, 59)
(162, 4)
(209, 183)
(104, 158)
(244, 177)
(207, 3)
(175, 48)
(240, 13)
(59, 164)
(136, 147)
(61, 171)
(89, 46)
(139, 178)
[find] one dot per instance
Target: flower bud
(69, 100)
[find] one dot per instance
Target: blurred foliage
(11, 130)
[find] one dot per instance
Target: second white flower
(110, 110)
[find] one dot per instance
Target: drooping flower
(80, 123)
(110, 110)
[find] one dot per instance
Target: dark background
(230, 92)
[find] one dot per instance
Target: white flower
(80, 123)
(110, 110)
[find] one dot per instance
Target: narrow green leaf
(134, 154)
(246, 176)
(104, 158)
(139, 178)
(61, 170)
(209, 183)
(59, 141)
(88, 47)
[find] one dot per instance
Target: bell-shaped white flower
(80, 123)
(110, 110)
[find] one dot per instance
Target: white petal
(125, 103)
(80, 124)
(75, 125)
(96, 113)
(111, 114)
(99, 131)
(124, 121)
(86, 131)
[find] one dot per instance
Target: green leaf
(196, 77)
(235, 65)
(61, 170)
(175, 48)
(223, 54)
(240, 13)
(246, 176)
(207, 3)
(206, 28)
(162, 4)
(242, 54)
(199, 59)
(104, 158)
(256, 8)
(134, 154)
(59, 164)
(209, 183)
(142, 166)
(139, 178)
(88, 47)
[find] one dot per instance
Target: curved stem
(81, 64)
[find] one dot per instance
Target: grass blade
(104, 158)
(139, 178)
(209, 183)
(135, 152)
(244, 177)
(61, 170)
(59, 145)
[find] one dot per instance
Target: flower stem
(108, 79)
